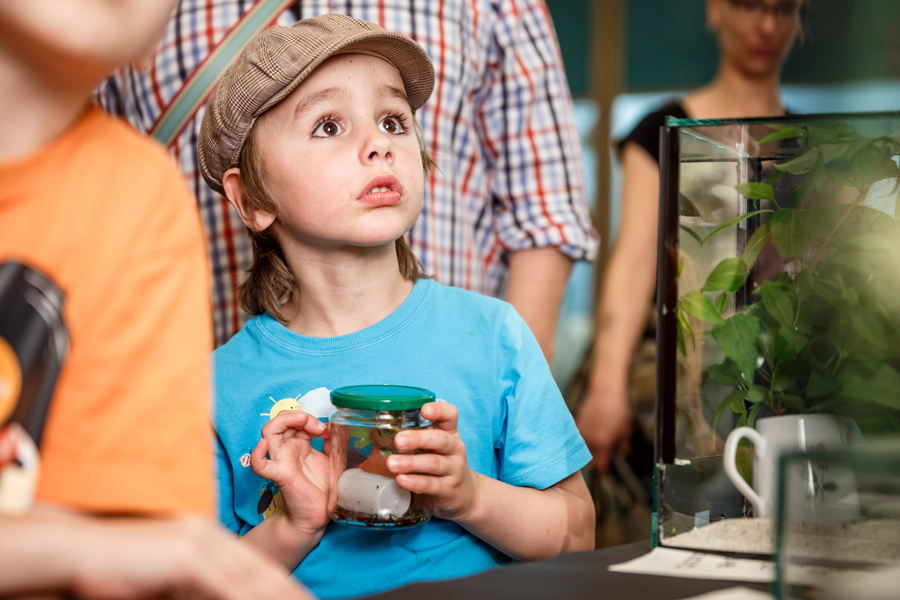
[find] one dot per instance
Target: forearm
(34, 555)
(530, 524)
(282, 541)
(536, 286)
(622, 316)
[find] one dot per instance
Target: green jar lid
(381, 397)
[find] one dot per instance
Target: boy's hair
(269, 281)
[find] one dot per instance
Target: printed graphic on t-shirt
(10, 380)
(33, 344)
(315, 402)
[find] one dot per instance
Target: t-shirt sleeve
(646, 133)
(539, 445)
(528, 137)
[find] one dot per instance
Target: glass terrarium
(839, 546)
(779, 297)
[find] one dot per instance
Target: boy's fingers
(425, 464)
(258, 457)
(434, 440)
(443, 414)
(289, 423)
(420, 484)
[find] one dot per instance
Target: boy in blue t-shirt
(312, 137)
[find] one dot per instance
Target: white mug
(776, 436)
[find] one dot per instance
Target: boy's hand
(301, 473)
(444, 473)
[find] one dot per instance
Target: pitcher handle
(731, 446)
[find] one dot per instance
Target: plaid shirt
(499, 126)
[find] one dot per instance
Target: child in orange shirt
(103, 233)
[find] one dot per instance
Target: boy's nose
(377, 145)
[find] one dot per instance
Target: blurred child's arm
(302, 475)
(525, 523)
(103, 557)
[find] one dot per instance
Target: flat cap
(277, 60)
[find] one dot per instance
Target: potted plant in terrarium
(816, 327)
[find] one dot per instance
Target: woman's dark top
(646, 133)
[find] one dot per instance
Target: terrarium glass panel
(779, 294)
(838, 534)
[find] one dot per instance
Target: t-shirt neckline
(269, 327)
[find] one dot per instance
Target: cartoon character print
(317, 403)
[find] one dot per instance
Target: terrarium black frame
(815, 157)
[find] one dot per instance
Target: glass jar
(364, 493)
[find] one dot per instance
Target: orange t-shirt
(104, 214)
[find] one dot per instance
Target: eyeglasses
(756, 9)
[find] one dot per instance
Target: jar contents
(370, 494)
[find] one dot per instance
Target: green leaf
(722, 302)
(729, 275)
(756, 243)
(688, 208)
(757, 394)
(679, 339)
(680, 268)
(724, 374)
(700, 307)
(754, 412)
(820, 385)
(784, 133)
(831, 152)
(692, 233)
(733, 222)
(684, 330)
(868, 328)
(783, 381)
(800, 165)
(778, 303)
(737, 339)
(737, 406)
(828, 132)
(775, 176)
(793, 403)
(756, 191)
(875, 383)
(789, 343)
(725, 403)
(819, 174)
(867, 162)
(790, 233)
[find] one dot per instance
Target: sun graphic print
(317, 403)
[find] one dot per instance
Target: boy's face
(340, 157)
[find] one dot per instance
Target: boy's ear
(254, 218)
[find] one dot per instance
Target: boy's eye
(327, 129)
(391, 125)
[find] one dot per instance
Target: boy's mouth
(383, 190)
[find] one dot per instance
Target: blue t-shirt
(470, 350)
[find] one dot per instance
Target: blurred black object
(31, 322)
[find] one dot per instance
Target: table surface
(575, 576)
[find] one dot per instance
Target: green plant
(824, 336)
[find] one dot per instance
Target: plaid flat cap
(277, 60)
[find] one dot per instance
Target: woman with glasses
(754, 38)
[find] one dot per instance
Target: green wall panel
(572, 19)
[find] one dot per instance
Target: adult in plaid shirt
(508, 185)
